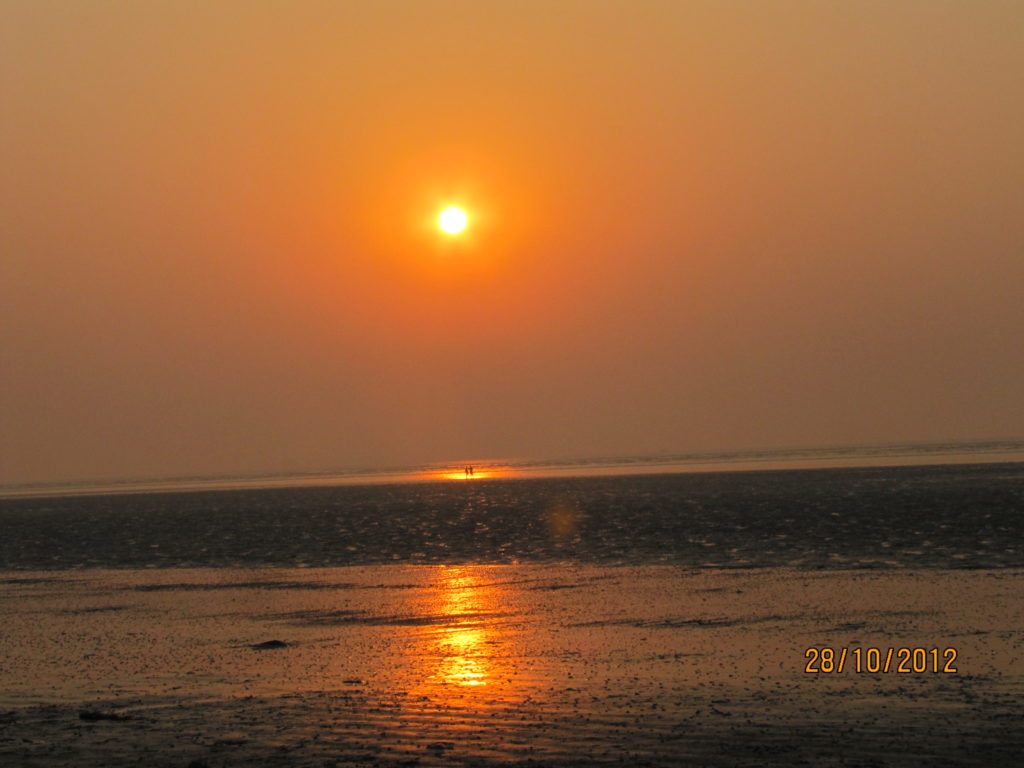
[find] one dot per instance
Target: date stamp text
(880, 660)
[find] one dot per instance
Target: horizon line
(722, 460)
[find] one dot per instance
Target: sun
(452, 220)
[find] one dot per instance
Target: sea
(898, 506)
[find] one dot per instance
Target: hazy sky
(694, 225)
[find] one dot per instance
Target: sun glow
(452, 220)
(468, 472)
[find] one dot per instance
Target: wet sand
(539, 664)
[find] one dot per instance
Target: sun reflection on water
(463, 647)
(477, 473)
(462, 663)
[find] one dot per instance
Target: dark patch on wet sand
(269, 645)
(342, 617)
(680, 623)
(97, 609)
(205, 587)
(92, 715)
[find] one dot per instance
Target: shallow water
(932, 517)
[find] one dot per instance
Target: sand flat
(441, 665)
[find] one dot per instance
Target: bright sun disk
(452, 220)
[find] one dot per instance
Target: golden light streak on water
(478, 473)
(463, 647)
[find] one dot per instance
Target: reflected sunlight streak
(479, 473)
(463, 648)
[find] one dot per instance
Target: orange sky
(694, 225)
